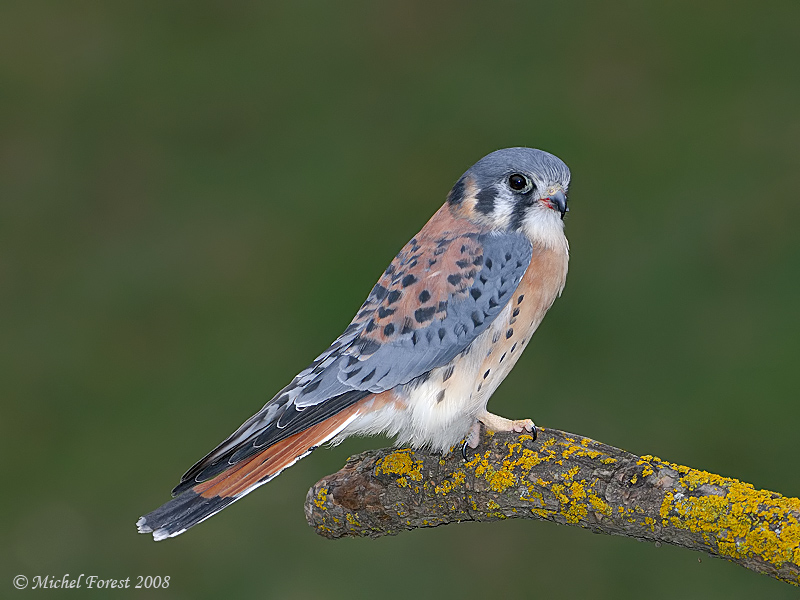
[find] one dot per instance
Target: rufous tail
(206, 499)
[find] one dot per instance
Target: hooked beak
(558, 201)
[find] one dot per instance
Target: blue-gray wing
(438, 294)
(442, 308)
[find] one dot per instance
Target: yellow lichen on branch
(566, 479)
(401, 463)
(742, 520)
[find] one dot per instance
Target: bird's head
(514, 189)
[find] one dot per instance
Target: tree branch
(567, 479)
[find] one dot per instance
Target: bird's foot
(495, 423)
(498, 423)
(474, 435)
(472, 440)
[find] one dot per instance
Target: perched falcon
(438, 333)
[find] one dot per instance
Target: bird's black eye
(519, 183)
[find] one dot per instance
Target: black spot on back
(379, 292)
(424, 296)
(385, 312)
(388, 330)
(475, 293)
(424, 314)
(393, 297)
(408, 280)
(454, 279)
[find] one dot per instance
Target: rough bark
(567, 479)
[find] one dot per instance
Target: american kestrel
(438, 333)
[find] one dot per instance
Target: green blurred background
(196, 197)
